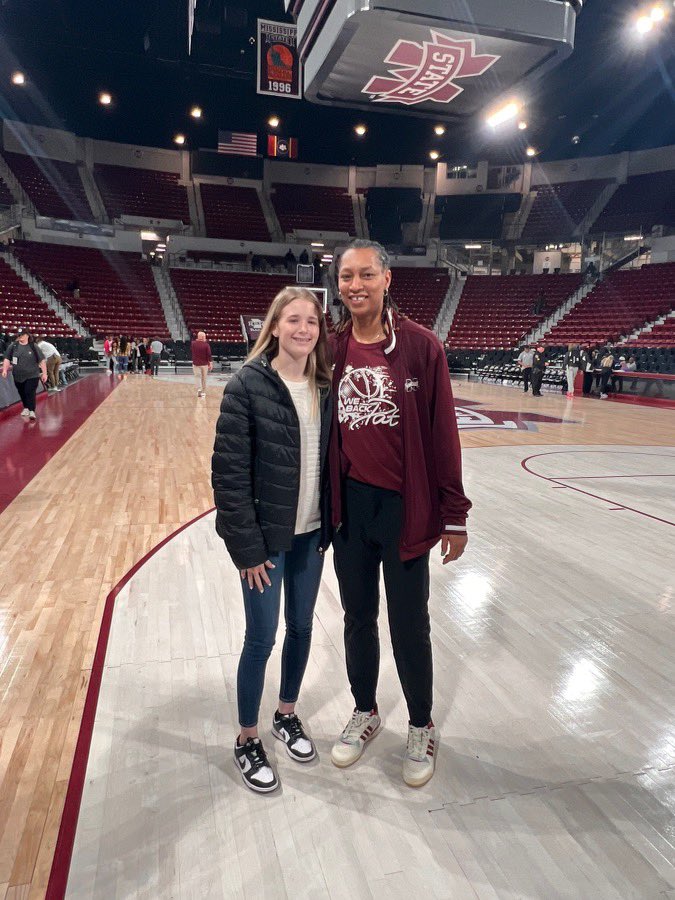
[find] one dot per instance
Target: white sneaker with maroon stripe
(358, 731)
(420, 755)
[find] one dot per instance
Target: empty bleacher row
(55, 188)
(213, 301)
(233, 213)
(622, 302)
(117, 292)
(639, 204)
(388, 209)
(559, 208)
(498, 311)
(21, 307)
(142, 192)
(419, 292)
(305, 207)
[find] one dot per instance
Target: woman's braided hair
(385, 263)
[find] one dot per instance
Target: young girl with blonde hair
(270, 483)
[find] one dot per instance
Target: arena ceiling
(614, 93)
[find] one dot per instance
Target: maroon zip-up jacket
(434, 502)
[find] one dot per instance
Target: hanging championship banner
(278, 61)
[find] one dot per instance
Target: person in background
(396, 492)
(28, 368)
(53, 360)
(290, 262)
(143, 356)
(525, 363)
(606, 366)
(156, 348)
(122, 357)
(202, 362)
(572, 364)
(270, 481)
(108, 355)
(586, 366)
(133, 355)
(538, 367)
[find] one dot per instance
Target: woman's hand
(452, 546)
(258, 575)
(43, 379)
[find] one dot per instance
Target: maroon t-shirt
(369, 417)
(201, 353)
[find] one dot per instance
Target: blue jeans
(299, 570)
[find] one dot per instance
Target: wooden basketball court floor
(554, 639)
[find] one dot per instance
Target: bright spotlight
(18, 78)
(504, 113)
(522, 125)
(472, 246)
(360, 130)
(531, 151)
(179, 139)
(434, 154)
(196, 112)
(644, 25)
(273, 121)
(104, 98)
(439, 130)
(657, 14)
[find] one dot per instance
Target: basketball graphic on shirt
(367, 396)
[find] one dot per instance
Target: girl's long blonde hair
(318, 369)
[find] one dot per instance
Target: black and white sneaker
(288, 729)
(255, 769)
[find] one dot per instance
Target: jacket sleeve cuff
(454, 527)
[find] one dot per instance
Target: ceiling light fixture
(18, 78)
(274, 121)
(472, 246)
(196, 112)
(531, 151)
(522, 125)
(104, 98)
(360, 130)
(179, 139)
(504, 113)
(439, 130)
(434, 154)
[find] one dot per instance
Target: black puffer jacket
(256, 465)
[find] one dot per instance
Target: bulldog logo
(427, 71)
(469, 417)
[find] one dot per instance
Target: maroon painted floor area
(25, 445)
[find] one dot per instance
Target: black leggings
(27, 390)
(369, 537)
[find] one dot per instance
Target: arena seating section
(213, 301)
(305, 208)
(233, 213)
(660, 336)
(640, 203)
(559, 208)
(117, 291)
(142, 192)
(625, 300)
(20, 307)
(497, 312)
(54, 187)
(419, 293)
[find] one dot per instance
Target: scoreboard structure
(446, 58)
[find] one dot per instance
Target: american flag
(237, 143)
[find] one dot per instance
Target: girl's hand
(258, 575)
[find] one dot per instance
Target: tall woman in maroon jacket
(397, 491)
